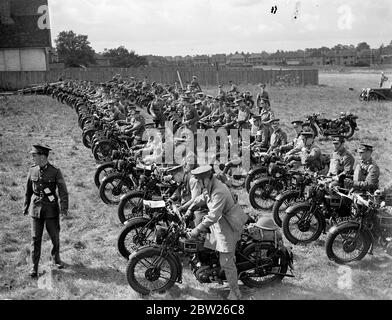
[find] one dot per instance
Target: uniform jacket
(366, 176)
(342, 161)
(192, 115)
(294, 146)
(262, 98)
(311, 158)
(41, 189)
(278, 138)
(225, 218)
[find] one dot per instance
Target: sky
(190, 27)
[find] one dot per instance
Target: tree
(124, 59)
(362, 46)
(74, 50)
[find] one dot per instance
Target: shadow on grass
(372, 263)
(80, 272)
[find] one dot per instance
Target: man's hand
(194, 233)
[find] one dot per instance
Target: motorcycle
(305, 221)
(371, 224)
(345, 125)
(260, 259)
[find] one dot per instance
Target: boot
(234, 295)
(57, 263)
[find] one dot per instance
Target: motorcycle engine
(205, 267)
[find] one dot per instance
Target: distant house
(201, 60)
(219, 59)
(295, 61)
(236, 60)
(315, 59)
(257, 59)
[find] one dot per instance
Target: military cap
(194, 77)
(276, 121)
(202, 171)
(262, 85)
(187, 92)
(137, 110)
(209, 96)
(197, 102)
(185, 98)
(297, 122)
(220, 86)
(256, 116)
(365, 147)
(338, 139)
(236, 101)
(132, 78)
(200, 94)
(307, 134)
(40, 149)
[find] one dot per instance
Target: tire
(102, 172)
(102, 151)
(135, 235)
(253, 176)
(265, 191)
(113, 187)
(346, 232)
(265, 253)
(87, 137)
(131, 205)
(286, 200)
(348, 134)
(289, 220)
(146, 255)
(373, 97)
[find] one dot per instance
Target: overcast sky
(174, 27)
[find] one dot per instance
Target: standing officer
(266, 116)
(225, 219)
(366, 173)
(262, 98)
(42, 180)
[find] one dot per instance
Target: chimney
(5, 12)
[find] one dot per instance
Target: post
(179, 78)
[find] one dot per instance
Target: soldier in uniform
(136, 127)
(225, 219)
(244, 113)
(42, 180)
(342, 161)
(191, 117)
(278, 137)
(266, 116)
(157, 109)
(262, 98)
(195, 85)
(366, 173)
(296, 145)
(233, 87)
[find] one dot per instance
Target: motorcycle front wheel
(347, 244)
(113, 187)
(148, 271)
(269, 266)
(131, 205)
(102, 172)
(285, 201)
(253, 176)
(262, 194)
(299, 230)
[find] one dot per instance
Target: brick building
(25, 37)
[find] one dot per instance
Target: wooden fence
(14, 80)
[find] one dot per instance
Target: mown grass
(88, 237)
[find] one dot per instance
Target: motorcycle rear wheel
(269, 257)
(145, 276)
(344, 241)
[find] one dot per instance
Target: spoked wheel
(262, 195)
(137, 233)
(102, 151)
(131, 206)
(87, 137)
(102, 172)
(148, 271)
(253, 176)
(279, 207)
(267, 260)
(113, 187)
(348, 130)
(347, 244)
(302, 226)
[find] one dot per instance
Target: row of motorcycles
(154, 235)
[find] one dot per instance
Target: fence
(14, 80)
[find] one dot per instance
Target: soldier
(225, 219)
(266, 116)
(296, 145)
(243, 113)
(383, 79)
(42, 180)
(342, 161)
(135, 128)
(262, 98)
(157, 109)
(194, 86)
(366, 173)
(278, 137)
(203, 109)
(233, 87)
(116, 113)
(191, 117)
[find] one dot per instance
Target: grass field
(94, 269)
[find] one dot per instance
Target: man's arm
(63, 192)
(28, 194)
(215, 206)
(371, 181)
